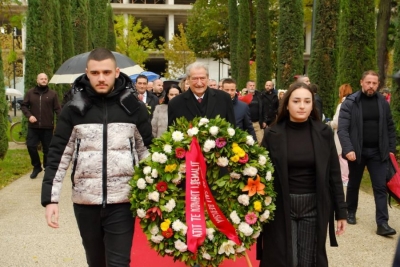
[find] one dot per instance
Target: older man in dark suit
(200, 100)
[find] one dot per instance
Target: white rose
(210, 233)
(193, 131)
(213, 130)
(179, 245)
(141, 183)
(268, 176)
(222, 161)
(264, 216)
(168, 251)
(170, 205)
(154, 230)
(206, 256)
(177, 225)
(244, 200)
(262, 160)
(234, 217)
(157, 238)
(227, 248)
(154, 173)
(208, 145)
(177, 136)
(203, 121)
(240, 249)
(149, 179)
(147, 170)
(163, 158)
(250, 171)
(267, 200)
(184, 229)
(168, 149)
(177, 179)
(245, 229)
(155, 196)
(231, 132)
(256, 234)
(141, 213)
(155, 157)
(182, 167)
(235, 175)
(249, 140)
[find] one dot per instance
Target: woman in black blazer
(308, 184)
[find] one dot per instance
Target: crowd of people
(106, 127)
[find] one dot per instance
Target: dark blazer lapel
(211, 103)
(278, 147)
(190, 104)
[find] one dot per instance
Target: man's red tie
(140, 96)
(199, 99)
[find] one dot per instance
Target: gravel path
(26, 240)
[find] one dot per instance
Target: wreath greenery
(244, 193)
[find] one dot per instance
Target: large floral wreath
(168, 197)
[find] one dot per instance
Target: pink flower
(220, 142)
(251, 218)
(244, 159)
(180, 152)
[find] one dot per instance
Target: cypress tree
(98, 23)
(57, 43)
(263, 43)
(111, 38)
(80, 20)
(233, 35)
(322, 68)
(244, 44)
(39, 41)
(3, 113)
(290, 41)
(357, 45)
(67, 33)
(395, 92)
(382, 29)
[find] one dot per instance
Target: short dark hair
(141, 76)
(314, 87)
(228, 80)
(369, 72)
(100, 54)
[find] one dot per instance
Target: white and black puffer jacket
(102, 137)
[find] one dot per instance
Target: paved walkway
(26, 240)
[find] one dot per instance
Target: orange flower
(254, 186)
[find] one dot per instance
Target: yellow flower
(238, 150)
(234, 145)
(165, 225)
(241, 153)
(257, 206)
(235, 158)
(170, 168)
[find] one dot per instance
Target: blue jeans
(377, 169)
(106, 233)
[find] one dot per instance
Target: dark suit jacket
(277, 235)
(152, 101)
(184, 105)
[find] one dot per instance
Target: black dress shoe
(351, 218)
(35, 173)
(384, 229)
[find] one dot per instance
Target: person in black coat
(241, 109)
(308, 184)
(200, 100)
(150, 99)
(367, 134)
(270, 103)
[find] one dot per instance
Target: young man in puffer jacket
(103, 130)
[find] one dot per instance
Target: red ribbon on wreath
(199, 194)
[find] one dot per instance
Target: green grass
(15, 164)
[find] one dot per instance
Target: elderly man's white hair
(196, 65)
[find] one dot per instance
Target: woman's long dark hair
(283, 113)
(172, 86)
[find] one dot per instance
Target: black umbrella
(168, 83)
(76, 66)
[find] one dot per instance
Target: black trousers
(32, 141)
(303, 214)
(377, 169)
(106, 233)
